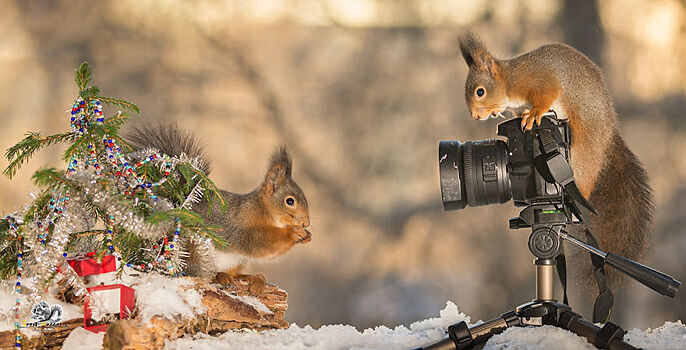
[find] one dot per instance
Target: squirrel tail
(624, 201)
(168, 139)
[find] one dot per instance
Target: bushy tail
(168, 139)
(624, 201)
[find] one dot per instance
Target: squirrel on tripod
(608, 174)
(259, 225)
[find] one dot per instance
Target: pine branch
(38, 207)
(208, 184)
(125, 146)
(120, 103)
(83, 76)
(24, 149)
(211, 233)
(187, 173)
(89, 233)
(8, 251)
(52, 178)
(194, 197)
(90, 92)
(76, 147)
(115, 122)
(186, 216)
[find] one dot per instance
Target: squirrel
(558, 77)
(259, 225)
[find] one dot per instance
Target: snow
(538, 338)
(156, 294)
(160, 295)
(7, 301)
(81, 339)
(252, 301)
(672, 335)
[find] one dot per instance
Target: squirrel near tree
(259, 225)
(558, 77)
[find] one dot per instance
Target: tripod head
(548, 221)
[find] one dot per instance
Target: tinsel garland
(102, 182)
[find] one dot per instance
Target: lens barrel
(473, 173)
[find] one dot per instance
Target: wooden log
(51, 339)
(226, 308)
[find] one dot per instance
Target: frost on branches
(109, 199)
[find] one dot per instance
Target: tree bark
(227, 308)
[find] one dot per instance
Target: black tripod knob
(544, 242)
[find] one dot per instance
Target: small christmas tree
(110, 200)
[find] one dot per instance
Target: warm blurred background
(361, 91)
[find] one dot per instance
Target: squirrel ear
(279, 168)
(476, 55)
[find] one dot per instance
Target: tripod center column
(545, 269)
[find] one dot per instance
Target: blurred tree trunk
(582, 29)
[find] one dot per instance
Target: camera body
(483, 172)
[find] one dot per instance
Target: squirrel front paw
(224, 279)
(300, 235)
(256, 283)
(529, 116)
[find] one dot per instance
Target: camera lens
(473, 173)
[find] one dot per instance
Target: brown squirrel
(262, 224)
(558, 77)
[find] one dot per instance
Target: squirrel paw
(300, 235)
(224, 279)
(256, 284)
(529, 116)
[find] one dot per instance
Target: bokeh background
(360, 91)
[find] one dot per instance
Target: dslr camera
(527, 167)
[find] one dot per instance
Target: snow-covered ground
(672, 335)
(159, 295)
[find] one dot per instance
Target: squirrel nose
(306, 222)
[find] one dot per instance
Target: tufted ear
(476, 55)
(279, 169)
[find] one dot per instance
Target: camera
(483, 172)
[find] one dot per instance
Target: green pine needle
(208, 184)
(186, 216)
(55, 183)
(211, 233)
(38, 207)
(76, 147)
(90, 92)
(24, 149)
(51, 178)
(120, 103)
(123, 144)
(83, 76)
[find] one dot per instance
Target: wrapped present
(117, 302)
(89, 265)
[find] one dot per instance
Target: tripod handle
(653, 279)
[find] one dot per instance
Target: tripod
(547, 222)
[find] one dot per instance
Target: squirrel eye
(290, 201)
(480, 92)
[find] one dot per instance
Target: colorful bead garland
(20, 253)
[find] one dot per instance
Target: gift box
(89, 265)
(118, 302)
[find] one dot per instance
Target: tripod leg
(609, 337)
(461, 337)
